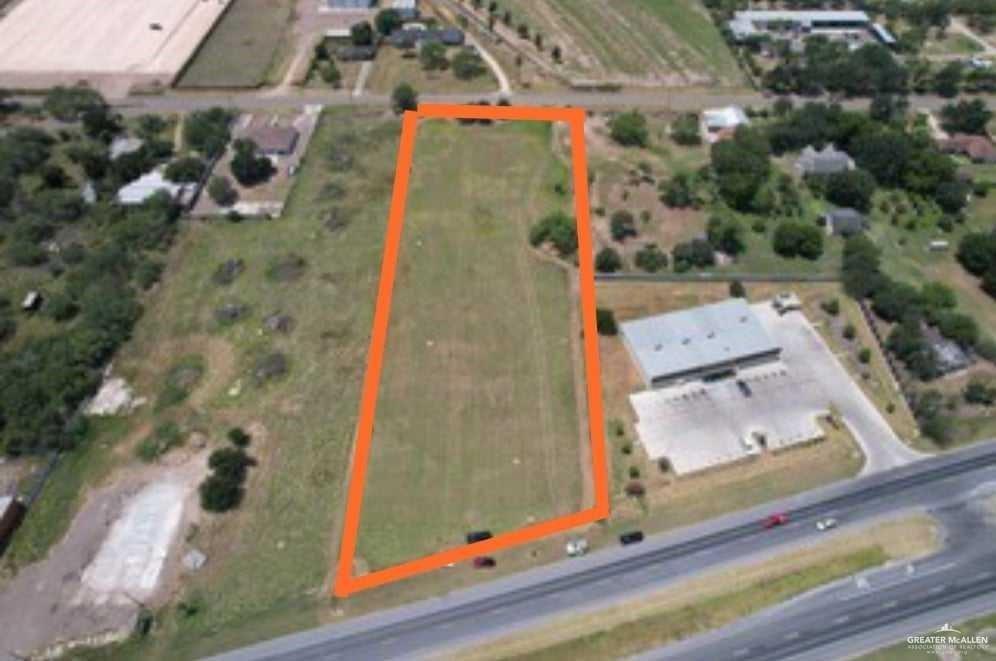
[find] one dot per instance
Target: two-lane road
(474, 615)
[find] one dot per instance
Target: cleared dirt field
(63, 41)
(246, 47)
(632, 41)
(476, 425)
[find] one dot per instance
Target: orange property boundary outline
(347, 584)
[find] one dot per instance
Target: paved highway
(472, 616)
(875, 608)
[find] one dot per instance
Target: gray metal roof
(679, 342)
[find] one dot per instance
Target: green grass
(270, 559)
(243, 48)
(655, 630)
(662, 40)
(476, 422)
(953, 44)
(390, 69)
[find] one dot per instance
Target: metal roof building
(700, 343)
(750, 23)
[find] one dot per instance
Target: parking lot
(697, 426)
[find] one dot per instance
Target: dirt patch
(123, 548)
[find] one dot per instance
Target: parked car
(478, 536)
(633, 537)
(744, 388)
(826, 524)
(484, 562)
(776, 520)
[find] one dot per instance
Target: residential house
(274, 140)
(822, 161)
(976, 147)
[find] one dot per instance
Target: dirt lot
(122, 550)
(101, 40)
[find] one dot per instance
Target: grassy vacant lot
(714, 599)
(243, 48)
(476, 422)
(657, 41)
(391, 68)
(268, 561)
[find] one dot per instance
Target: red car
(776, 520)
(484, 562)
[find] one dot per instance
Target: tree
(387, 21)
(67, 104)
(947, 80)
(977, 252)
(685, 130)
(559, 230)
(330, 73)
(629, 129)
(100, 123)
(248, 167)
(188, 169)
(608, 260)
(958, 328)
(239, 437)
(361, 34)
(737, 289)
(433, 56)
(851, 188)
(467, 65)
(679, 192)
(887, 108)
(219, 494)
(220, 190)
(796, 239)
(622, 225)
(605, 322)
(695, 253)
(650, 258)
(207, 131)
(966, 117)
(556, 54)
(404, 98)
(742, 165)
(726, 235)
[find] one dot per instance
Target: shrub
(629, 129)
(831, 307)
(248, 167)
(180, 381)
(220, 190)
(330, 73)
(865, 355)
(239, 437)
(650, 258)
(433, 56)
(608, 261)
(404, 97)
(850, 332)
(634, 472)
(796, 239)
(188, 169)
(559, 230)
(737, 289)
(605, 322)
(220, 495)
(164, 438)
(622, 225)
(230, 464)
(467, 65)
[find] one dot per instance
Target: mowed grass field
(476, 424)
(243, 48)
(672, 41)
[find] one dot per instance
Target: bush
(387, 21)
(559, 230)
(164, 438)
(622, 225)
(220, 190)
(361, 34)
(248, 167)
(330, 73)
(230, 464)
(831, 307)
(404, 97)
(188, 169)
(605, 322)
(239, 437)
(695, 253)
(650, 258)
(850, 332)
(608, 261)
(796, 239)
(737, 289)
(433, 56)
(981, 393)
(685, 130)
(629, 129)
(467, 65)
(220, 495)
(865, 355)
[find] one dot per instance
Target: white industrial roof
(764, 16)
(679, 342)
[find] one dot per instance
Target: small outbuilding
(845, 222)
(32, 301)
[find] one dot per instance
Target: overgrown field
(477, 424)
(243, 48)
(662, 41)
(317, 266)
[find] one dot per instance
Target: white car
(826, 524)
(577, 547)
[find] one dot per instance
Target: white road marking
(842, 619)
(792, 636)
(891, 604)
(936, 589)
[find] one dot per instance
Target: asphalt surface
(872, 609)
(472, 616)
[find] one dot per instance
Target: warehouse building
(704, 343)
(752, 24)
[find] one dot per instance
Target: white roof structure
(749, 23)
(717, 119)
(682, 343)
(149, 184)
(124, 145)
